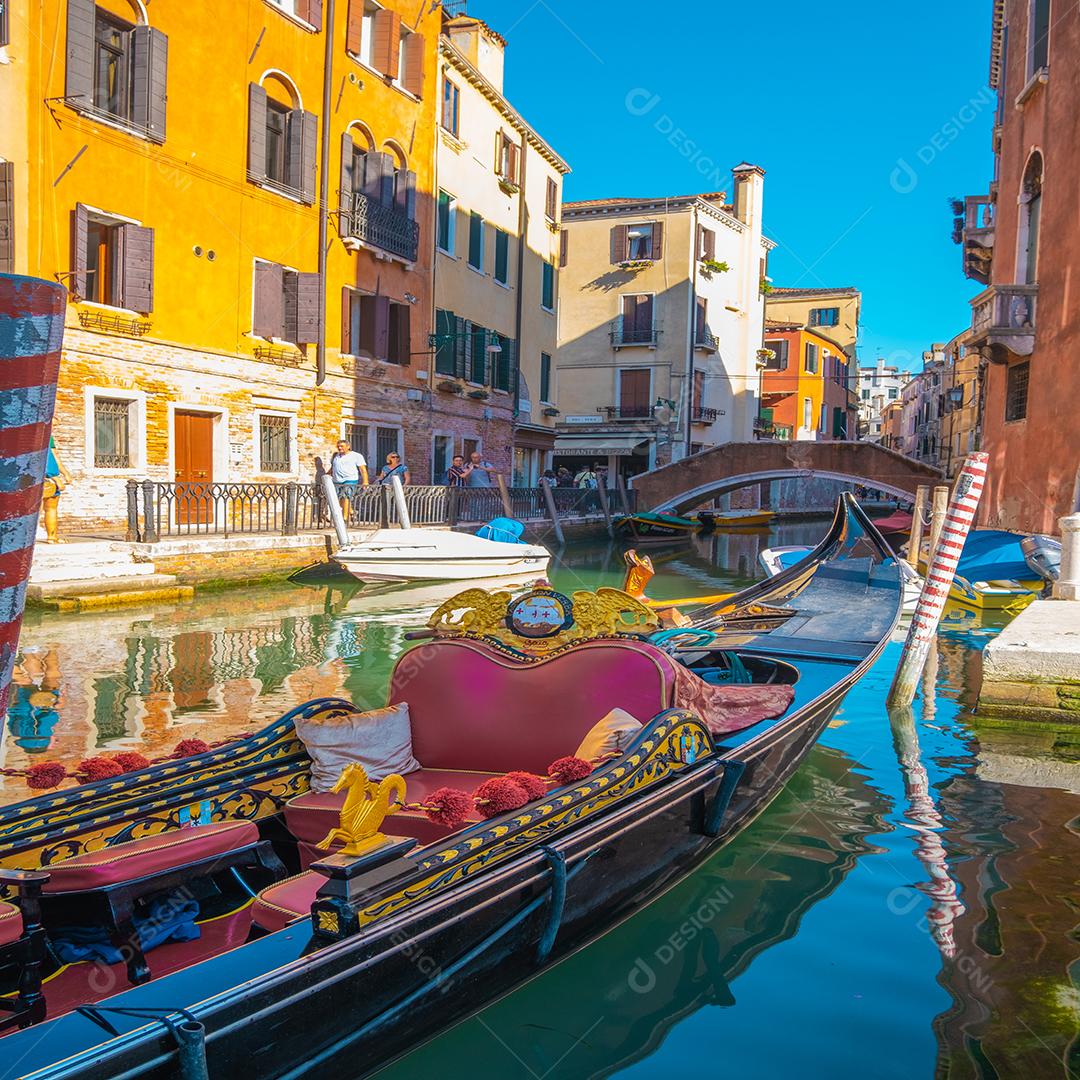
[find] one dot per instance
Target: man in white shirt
(347, 469)
(478, 472)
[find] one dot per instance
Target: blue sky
(867, 117)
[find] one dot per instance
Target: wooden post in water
(918, 516)
(545, 486)
(31, 334)
(938, 510)
(941, 568)
(504, 494)
(624, 502)
(601, 491)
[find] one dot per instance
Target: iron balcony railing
(702, 414)
(704, 338)
(622, 334)
(627, 412)
(158, 510)
(381, 226)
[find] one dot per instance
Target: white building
(878, 386)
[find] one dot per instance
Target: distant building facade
(832, 311)
(1022, 240)
(660, 325)
(877, 388)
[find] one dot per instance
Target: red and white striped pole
(939, 577)
(31, 332)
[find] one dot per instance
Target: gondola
(655, 525)
(397, 926)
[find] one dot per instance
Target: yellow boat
(735, 519)
(994, 595)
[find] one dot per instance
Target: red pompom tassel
(567, 770)
(190, 747)
(45, 774)
(98, 768)
(499, 794)
(535, 786)
(448, 806)
(131, 761)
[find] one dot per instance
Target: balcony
(382, 227)
(1003, 318)
(626, 412)
(702, 414)
(763, 429)
(978, 237)
(705, 339)
(622, 335)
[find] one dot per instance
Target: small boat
(439, 555)
(992, 572)
(896, 524)
(776, 560)
(383, 914)
(736, 519)
(655, 525)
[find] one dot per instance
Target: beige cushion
(381, 740)
(609, 736)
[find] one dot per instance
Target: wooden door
(194, 468)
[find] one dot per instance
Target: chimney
(480, 45)
(749, 182)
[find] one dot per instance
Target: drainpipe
(523, 224)
(324, 185)
(691, 327)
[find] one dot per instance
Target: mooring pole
(334, 509)
(399, 498)
(941, 568)
(601, 490)
(938, 510)
(504, 494)
(549, 498)
(918, 518)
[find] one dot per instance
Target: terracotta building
(1022, 240)
(165, 164)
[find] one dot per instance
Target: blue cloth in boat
(167, 918)
(994, 555)
(504, 529)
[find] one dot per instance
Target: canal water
(908, 907)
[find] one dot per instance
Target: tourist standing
(479, 472)
(458, 471)
(394, 467)
(348, 468)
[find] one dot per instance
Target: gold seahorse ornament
(367, 803)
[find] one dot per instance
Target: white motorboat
(439, 555)
(777, 559)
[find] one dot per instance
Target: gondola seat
(122, 874)
(22, 946)
(286, 901)
(11, 923)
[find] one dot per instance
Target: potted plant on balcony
(508, 185)
(635, 264)
(449, 386)
(713, 266)
(479, 394)
(550, 410)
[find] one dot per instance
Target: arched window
(1030, 214)
(282, 137)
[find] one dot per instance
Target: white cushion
(609, 736)
(380, 740)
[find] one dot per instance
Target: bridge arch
(688, 483)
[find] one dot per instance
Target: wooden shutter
(634, 392)
(657, 240)
(710, 244)
(700, 320)
(387, 166)
(79, 70)
(699, 389)
(269, 307)
(149, 56)
(348, 180)
(386, 52)
(137, 269)
(309, 154)
(301, 305)
(371, 182)
(7, 215)
(312, 12)
(402, 314)
(366, 344)
(619, 243)
(80, 223)
(513, 161)
(346, 320)
(413, 76)
(564, 246)
(256, 130)
(382, 327)
(498, 153)
(552, 199)
(354, 27)
(410, 195)
(461, 342)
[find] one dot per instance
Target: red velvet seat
(11, 923)
(148, 856)
(280, 904)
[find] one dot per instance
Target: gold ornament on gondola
(367, 803)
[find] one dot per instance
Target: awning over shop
(534, 438)
(601, 444)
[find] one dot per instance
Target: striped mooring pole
(940, 572)
(31, 333)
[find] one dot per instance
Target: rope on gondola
(188, 1033)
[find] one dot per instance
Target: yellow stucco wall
(796, 309)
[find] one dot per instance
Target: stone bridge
(688, 483)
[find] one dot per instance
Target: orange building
(241, 208)
(806, 391)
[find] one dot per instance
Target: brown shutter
(410, 195)
(7, 217)
(80, 222)
(550, 203)
(312, 13)
(309, 155)
(710, 244)
(386, 51)
(368, 305)
(149, 56)
(402, 313)
(372, 181)
(346, 320)
(301, 307)
(619, 243)
(564, 246)
(700, 321)
(348, 180)
(388, 167)
(354, 28)
(644, 315)
(498, 153)
(413, 76)
(382, 327)
(657, 240)
(269, 307)
(137, 272)
(79, 72)
(513, 154)
(256, 130)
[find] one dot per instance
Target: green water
(879, 920)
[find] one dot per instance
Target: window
(1038, 36)
(701, 322)
(811, 364)
(476, 241)
(275, 444)
(445, 226)
(442, 457)
(706, 243)
(807, 413)
(367, 33)
(478, 342)
(282, 141)
(113, 261)
(547, 287)
(277, 123)
(635, 393)
(1030, 218)
(357, 436)
(7, 206)
(866, 395)
(285, 303)
(502, 362)
(502, 256)
(636, 321)
(387, 441)
(893, 392)
(445, 342)
(829, 316)
(398, 331)
(545, 377)
(551, 200)
(1016, 391)
(451, 98)
(112, 447)
(507, 159)
(633, 243)
(639, 239)
(780, 361)
(112, 65)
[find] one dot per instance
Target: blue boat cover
(504, 529)
(994, 555)
(789, 558)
